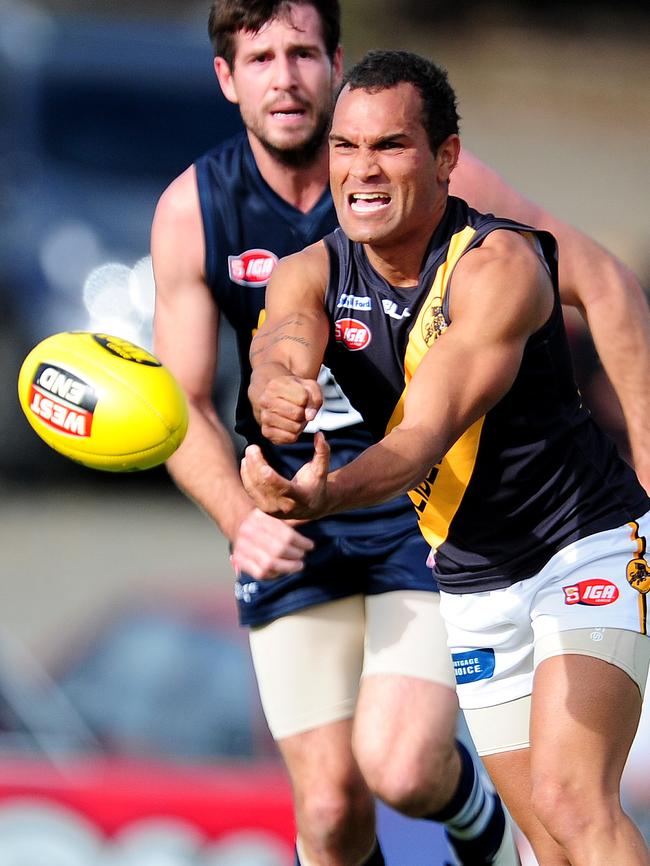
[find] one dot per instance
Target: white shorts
(309, 663)
(596, 584)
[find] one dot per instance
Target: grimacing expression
(386, 183)
(283, 81)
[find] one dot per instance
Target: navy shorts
(391, 555)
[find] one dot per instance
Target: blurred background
(128, 710)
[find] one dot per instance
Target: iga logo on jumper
(62, 400)
(596, 591)
(352, 333)
(252, 268)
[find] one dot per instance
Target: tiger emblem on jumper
(433, 323)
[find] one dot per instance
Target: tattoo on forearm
(266, 341)
(291, 321)
(276, 339)
(303, 341)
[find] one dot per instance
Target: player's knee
(567, 810)
(408, 780)
(336, 818)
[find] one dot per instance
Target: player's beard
(305, 153)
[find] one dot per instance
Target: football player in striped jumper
(324, 596)
(457, 358)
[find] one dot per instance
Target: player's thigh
(408, 681)
(582, 698)
(505, 727)
(308, 665)
(406, 635)
(322, 766)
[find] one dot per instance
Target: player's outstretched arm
(458, 381)
(287, 351)
(185, 338)
(602, 288)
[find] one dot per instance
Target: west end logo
(252, 268)
(62, 400)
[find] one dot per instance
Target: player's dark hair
(228, 17)
(381, 70)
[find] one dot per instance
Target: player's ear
(224, 76)
(447, 157)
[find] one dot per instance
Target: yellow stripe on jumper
(438, 497)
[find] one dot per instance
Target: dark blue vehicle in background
(97, 116)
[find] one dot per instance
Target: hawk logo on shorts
(595, 592)
(252, 268)
(638, 575)
(473, 665)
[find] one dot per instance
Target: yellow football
(102, 401)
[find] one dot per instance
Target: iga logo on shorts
(352, 333)
(596, 592)
(252, 268)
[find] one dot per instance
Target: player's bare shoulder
(178, 207)
(506, 272)
(177, 240)
(307, 270)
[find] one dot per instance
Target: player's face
(283, 81)
(388, 187)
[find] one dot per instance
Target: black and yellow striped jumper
(531, 476)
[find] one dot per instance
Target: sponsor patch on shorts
(473, 665)
(594, 592)
(245, 591)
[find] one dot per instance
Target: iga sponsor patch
(595, 592)
(352, 333)
(62, 400)
(473, 665)
(252, 268)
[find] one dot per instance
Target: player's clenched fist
(284, 406)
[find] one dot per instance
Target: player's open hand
(304, 496)
(266, 547)
(285, 406)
